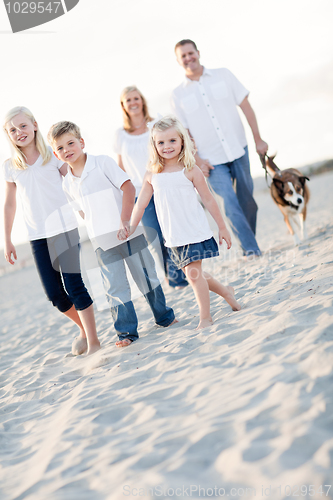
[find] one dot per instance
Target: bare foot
(172, 323)
(204, 323)
(230, 298)
(124, 343)
(79, 346)
(93, 348)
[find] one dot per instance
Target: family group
(162, 165)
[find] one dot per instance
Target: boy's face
(68, 148)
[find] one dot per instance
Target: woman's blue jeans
(118, 291)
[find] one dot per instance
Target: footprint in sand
(24, 15)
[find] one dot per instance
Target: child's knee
(61, 302)
(193, 272)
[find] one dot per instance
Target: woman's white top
(180, 215)
(134, 154)
(45, 207)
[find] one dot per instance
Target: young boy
(104, 196)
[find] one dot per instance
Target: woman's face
(132, 103)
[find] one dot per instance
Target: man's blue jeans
(118, 291)
(239, 206)
(175, 276)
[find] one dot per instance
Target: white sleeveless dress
(183, 221)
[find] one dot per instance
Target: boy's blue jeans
(117, 288)
(239, 206)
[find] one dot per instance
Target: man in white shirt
(206, 103)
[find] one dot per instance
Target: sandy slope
(245, 404)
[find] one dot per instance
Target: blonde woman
(174, 179)
(131, 146)
(35, 173)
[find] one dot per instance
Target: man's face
(188, 57)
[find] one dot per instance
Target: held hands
(9, 250)
(225, 235)
(125, 230)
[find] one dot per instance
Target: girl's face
(21, 130)
(132, 103)
(168, 144)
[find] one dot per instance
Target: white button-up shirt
(208, 108)
(97, 193)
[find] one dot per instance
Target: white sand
(245, 404)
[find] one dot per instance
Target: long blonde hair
(18, 158)
(187, 153)
(126, 118)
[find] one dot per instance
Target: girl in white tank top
(174, 179)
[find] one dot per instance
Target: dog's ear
(278, 183)
(302, 179)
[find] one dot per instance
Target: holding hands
(124, 231)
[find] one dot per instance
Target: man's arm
(261, 146)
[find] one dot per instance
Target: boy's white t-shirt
(97, 193)
(45, 207)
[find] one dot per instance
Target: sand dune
(241, 408)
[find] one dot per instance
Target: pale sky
(75, 67)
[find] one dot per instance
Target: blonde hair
(187, 153)
(126, 118)
(18, 158)
(61, 128)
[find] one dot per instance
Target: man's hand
(9, 250)
(204, 166)
(261, 147)
(225, 235)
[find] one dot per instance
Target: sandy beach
(243, 409)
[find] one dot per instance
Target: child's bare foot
(93, 348)
(124, 343)
(230, 298)
(204, 323)
(79, 346)
(173, 322)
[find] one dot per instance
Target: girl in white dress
(35, 173)
(174, 179)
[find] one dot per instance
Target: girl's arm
(63, 169)
(199, 182)
(127, 207)
(144, 198)
(9, 215)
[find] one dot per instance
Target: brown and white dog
(291, 194)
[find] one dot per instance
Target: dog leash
(263, 163)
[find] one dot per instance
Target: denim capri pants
(183, 255)
(58, 264)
